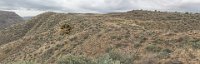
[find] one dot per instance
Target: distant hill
(27, 17)
(134, 37)
(9, 18)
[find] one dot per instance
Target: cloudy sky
(34, 7)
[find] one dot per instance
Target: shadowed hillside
(9, 18)
(134, 37)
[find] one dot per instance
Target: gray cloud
(101, 6)
(192, 7)
(29, 4)
(110, 5)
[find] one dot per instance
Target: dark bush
(65, 29)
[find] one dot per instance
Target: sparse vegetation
(121, 58)
(109, 58)
(196, 44)
(24, 62)
(165, 53)
(134, 37)
(106, 59)
(153, 48)
(72, 59)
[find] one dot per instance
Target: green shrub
(165, 53)
(106, 59)
(24, 62)
(167, 50)
(72, 59)
(196, 44)
(115, 56)
(122, 58)
(153, 48)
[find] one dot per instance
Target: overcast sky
(34, 7)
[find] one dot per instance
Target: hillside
(134, 37)
(27, 17)
(9, 18)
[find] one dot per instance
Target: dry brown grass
(141, 36)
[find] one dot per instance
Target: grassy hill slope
(135, 37)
